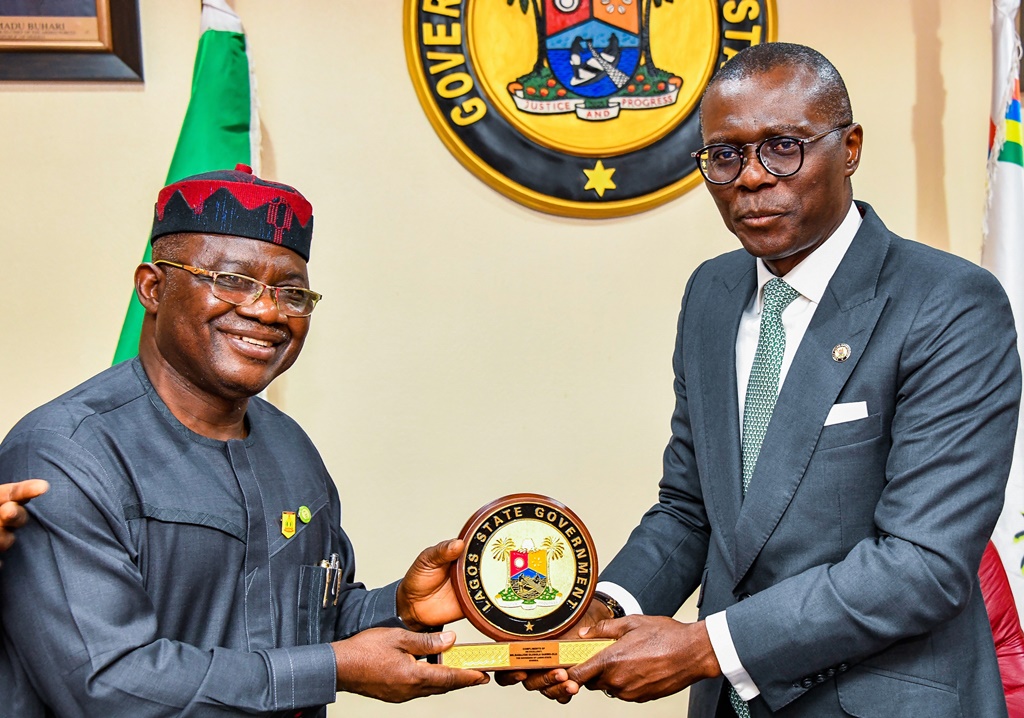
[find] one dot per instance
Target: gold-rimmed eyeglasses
(241, 290)
(781, 156)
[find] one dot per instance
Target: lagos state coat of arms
(527, 584)
(583, 108)
(529, 569)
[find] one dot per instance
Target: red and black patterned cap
(238, 203)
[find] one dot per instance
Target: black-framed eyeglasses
(241, 290)
(781, 156)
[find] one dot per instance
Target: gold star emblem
(599, 179)
(529, 626)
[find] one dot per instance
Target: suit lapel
(847, 314)
(727, 299)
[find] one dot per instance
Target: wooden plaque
(528, 573)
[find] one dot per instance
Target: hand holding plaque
(527, 575)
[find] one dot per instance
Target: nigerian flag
(221, 127)
(1003, 252)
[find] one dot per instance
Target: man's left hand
(426, 597)
(652, 657)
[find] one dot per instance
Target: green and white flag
(221, 127)
(1003, 252)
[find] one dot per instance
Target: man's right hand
(381, 663)
(12, 509)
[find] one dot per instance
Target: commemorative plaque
(527, 574)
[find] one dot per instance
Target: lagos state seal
(528, 571)
(583, 108)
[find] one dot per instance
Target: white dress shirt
(810, 278)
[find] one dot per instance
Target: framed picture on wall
(70, 40)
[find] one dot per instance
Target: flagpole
(220, 128)
(1003, 251)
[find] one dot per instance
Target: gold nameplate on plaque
(522, 655)
(527, 574)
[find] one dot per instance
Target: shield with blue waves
(593, 46)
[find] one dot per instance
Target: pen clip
(327, 581)
(336, 584)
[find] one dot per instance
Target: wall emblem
(583, 108)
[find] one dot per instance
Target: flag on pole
(1003, 251)
(221, 127)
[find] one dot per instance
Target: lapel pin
(841, 352)
(305, 515)
(288, 524)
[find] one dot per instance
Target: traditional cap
(238, 203)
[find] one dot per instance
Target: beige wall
(467, 347)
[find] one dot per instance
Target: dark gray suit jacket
(849, 571)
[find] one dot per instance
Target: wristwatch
(611, 604)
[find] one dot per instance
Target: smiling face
(224, 351)
(781, 219)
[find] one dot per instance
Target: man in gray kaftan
(174, 567)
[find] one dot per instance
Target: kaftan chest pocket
(318, 602)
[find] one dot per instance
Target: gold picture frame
(77, 40)
(56, 30)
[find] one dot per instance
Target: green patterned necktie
(762, 393)
(763, 386)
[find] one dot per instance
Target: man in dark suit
(846, 404)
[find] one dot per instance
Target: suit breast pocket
(850, 432)
(317, 609)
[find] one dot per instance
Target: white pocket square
(841, 413)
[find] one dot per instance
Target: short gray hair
(833, 98)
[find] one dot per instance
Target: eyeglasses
(781, 156)
(241, 290)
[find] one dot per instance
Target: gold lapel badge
(288, 523)
(841, 352)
